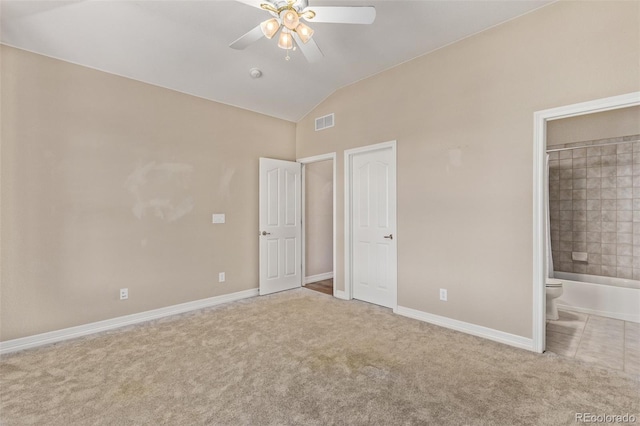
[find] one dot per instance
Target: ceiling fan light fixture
(304, 31)
(285, 41)
(286, 22)
(290, 18)
(270, 27)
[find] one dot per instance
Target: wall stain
(161, 190)
(224, 188)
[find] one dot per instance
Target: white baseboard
(95, 327)
(341, 295)
(318, 277)
(615, 315)
(465, 327)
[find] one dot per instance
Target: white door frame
(304, 161)
(348, 258)
(540, 119)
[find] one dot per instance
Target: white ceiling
(183, 45)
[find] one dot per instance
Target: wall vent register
(325, 122)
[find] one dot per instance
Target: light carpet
(303, 358)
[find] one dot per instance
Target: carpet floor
(301, 357)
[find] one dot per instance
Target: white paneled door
(280, 225)
(373, 227)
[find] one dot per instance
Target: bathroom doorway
(548, 125)
(319, 208)
(594, 170)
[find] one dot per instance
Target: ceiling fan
(287, 16)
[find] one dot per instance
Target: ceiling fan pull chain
(293, 48)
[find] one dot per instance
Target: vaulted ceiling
(183, 45)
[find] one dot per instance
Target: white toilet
(553, 290)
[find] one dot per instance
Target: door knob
(266, 233)
(390, 236)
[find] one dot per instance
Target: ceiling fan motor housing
(297, 5)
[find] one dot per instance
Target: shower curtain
(547, 222)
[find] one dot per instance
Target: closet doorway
(319, 222)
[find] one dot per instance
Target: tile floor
(604, 341)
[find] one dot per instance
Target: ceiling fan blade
(250, 37)
(310, 49)
(343, 14)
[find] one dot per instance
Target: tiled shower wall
(594, 200)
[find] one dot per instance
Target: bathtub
(604, 296)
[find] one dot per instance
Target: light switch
(218, 218)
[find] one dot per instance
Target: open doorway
(593, 285)
(541, 213)
(318, 229)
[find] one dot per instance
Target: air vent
(324, 122)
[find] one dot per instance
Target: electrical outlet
(221, 277)
(124, 293)
(443, 294)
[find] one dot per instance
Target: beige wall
(602, 125)
(463, 120)
(319, 218)
(109, 183)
